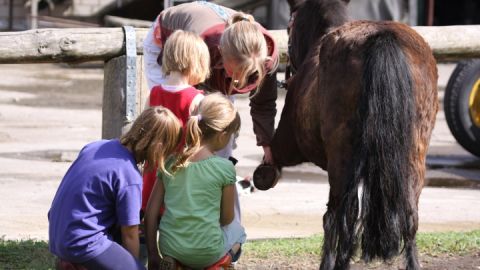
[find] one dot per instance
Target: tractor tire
(462, 105)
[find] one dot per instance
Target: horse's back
(347, 45)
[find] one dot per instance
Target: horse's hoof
(265, 176)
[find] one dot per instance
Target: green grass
(26, 254)
(289, 248)
(31, 254)
(449, 242)
(458, 243)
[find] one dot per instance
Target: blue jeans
(114, 258)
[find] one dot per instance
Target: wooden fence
(125, 89)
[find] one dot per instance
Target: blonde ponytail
(214, 114)
(240, 17)
(193, 138)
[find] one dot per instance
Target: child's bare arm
(151, 223)
(130, 240)
(227, 206)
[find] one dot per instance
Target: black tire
(462, 105)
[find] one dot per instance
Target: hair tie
(199, 117)
(245, 18)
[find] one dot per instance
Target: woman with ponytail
(198, 227)
(243, 59)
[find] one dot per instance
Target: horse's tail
(386, 111)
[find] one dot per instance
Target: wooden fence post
(125, 89)
(114, 93)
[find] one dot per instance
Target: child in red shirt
(185, 63)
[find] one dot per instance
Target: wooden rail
(89, 44)
(54, 45)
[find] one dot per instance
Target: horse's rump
(379, 109)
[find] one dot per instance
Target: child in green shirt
(198, 227)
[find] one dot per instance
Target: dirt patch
(57, 86)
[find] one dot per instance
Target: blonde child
(185, 63)
(101, 190)
(198, 227)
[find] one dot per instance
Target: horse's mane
(313, 20)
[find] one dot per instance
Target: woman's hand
(267, 156)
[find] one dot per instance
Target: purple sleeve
(129, 201)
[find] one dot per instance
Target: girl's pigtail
(165, 149)
(193, 138)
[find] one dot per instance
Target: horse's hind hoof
(265, 176)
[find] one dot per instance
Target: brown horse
(362, 106)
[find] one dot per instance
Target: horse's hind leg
(341, 216)
(330, 238)
(415, 188)
(339, 233)
(411, 254)
(427, 107)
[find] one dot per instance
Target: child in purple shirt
(102, 190)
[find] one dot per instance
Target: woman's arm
(227, 206)
(130, 240)
(263, 110)
(151, 223)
